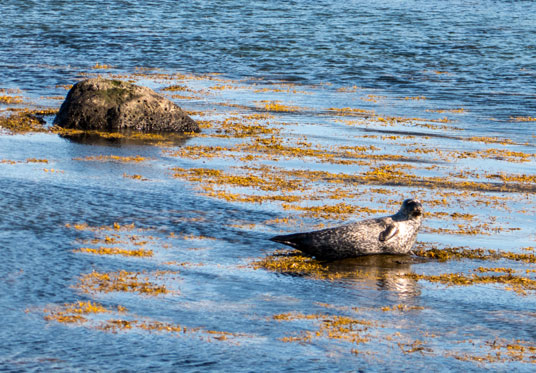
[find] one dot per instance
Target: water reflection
(126, 138)
(385, 272)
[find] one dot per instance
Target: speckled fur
(361, 238)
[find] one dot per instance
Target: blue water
(487, 48)
(476, 55)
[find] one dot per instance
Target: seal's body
(393, 234)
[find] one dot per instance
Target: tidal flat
(129, 244)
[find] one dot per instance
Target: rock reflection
(124, 138)
(386, 272)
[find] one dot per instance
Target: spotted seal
(393, 234)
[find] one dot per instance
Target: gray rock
(393, 234)
(114, 105)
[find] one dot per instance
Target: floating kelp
(519, 284)
(342, 328)
(506, 155)
(348, 111)
(523, 119)
(501, 351)
(115, 251)
(113, 158)
(114, 227)
(76, 312)
(453, 111)
(339, 210)
(6, 99)
(99, 66)
(36, 160)
(123, 281)
(401, 308)
(462, 252)
(177, 87)
(154, 326)
(80, 313)
(135, 177)
(292, 262)
(25, 121)
(277, 106)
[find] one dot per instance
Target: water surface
(309, 57)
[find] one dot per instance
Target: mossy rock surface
(114, 105)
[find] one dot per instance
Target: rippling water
(480, 56)
(486, 48)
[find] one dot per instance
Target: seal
(395, 234)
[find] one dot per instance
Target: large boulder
(114, 105)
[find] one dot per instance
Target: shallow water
(303, 58)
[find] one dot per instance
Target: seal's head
(412, 209)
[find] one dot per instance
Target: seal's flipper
(293, 240)
(310, 243)
(388, 233)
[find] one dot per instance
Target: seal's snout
(413, 208)
(416, 213)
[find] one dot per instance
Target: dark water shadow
(126, 138)
(384, 272)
